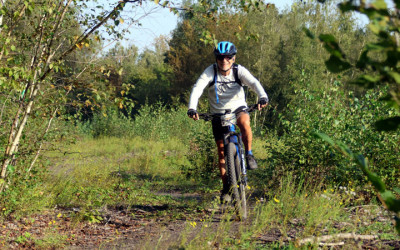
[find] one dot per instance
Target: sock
(249, 152)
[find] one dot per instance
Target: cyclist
(224, 81)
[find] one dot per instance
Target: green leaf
(10, 168)
(336, 65)
(390, 200)
(374, 27)
(388, 124)
(331, 45)
(379, 5)
(308, 33)
(327, 38)
(395, 76)
(368, 81)
(363, 61)
(375, 180)
(347, 6)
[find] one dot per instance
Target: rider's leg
(225, 197)
(243, 122)
(221, 161)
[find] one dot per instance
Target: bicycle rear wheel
(236, 186)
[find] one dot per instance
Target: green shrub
(161, 123)
(344, 117)
(111, 123)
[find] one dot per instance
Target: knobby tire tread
(242, 189)
(233, 171)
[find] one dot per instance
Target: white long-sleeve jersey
(226, 94)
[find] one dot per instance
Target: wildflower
(193, 224)
(276, 200)
(248, 187)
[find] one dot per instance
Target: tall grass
(115, 172)
(293, 212)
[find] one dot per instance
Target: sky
(159, 21)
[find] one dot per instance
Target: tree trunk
(15, 141)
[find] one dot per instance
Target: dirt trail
(148, 227)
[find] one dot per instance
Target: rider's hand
(193, 114)
(262, 102)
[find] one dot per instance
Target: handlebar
(209, 117)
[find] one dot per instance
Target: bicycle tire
(242, 188)
(236, 186)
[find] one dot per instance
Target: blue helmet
(225, 49)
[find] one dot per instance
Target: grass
(115, 171)
(293, 214)
(93, 174)
(144, 170)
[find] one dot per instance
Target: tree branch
(322, 239)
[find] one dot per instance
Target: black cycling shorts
(218, 130)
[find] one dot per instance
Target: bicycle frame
(235, 163)
(236, 138)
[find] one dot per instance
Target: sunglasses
(222, 57)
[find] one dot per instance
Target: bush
(112, 123)
(344, 117)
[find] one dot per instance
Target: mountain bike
(235, 161)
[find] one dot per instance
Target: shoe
(251, 162)
(225, 197)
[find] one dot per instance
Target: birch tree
(46, 47)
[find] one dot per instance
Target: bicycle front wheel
(236, 186)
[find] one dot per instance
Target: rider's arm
(205, 78)
(249, 80)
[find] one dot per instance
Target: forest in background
(124, 93)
